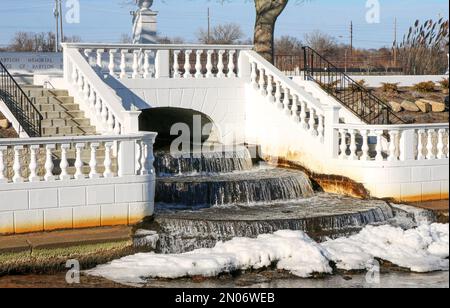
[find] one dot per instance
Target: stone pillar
(144, 23)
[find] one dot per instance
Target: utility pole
(351, 38)
(209, 26)
(395, 42)
(56, 14)
(61, 20)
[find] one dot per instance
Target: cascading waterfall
(203, 198)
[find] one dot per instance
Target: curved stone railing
(286, 95)
(138, 61)
(75, 158)
(392, 142)
(96, 97)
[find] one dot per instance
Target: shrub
(424, 87)
(444, 85)
(389, 87)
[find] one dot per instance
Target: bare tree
(36, 42)
(322, 43)
(288, 45)
(125, 39)
(224, 34)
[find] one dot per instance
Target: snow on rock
(424, 249)
(292, 251)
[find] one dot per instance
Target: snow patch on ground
(423, 249)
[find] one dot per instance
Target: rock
(5, 124)
(410, 106)
(424, 106)
(435, 106)
(396, 107)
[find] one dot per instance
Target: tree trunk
(267, 12)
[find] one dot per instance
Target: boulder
(435, 106)
(396, 107)
(424, 106)
(5, 124)
(410, 106)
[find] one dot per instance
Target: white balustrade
(54, 153)
(393, 143)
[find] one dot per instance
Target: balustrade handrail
(157, 46)
(74, 139)
(20, 105)
(283, 79)
(391, 126)
(102, 90)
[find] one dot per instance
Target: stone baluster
(86, 90)
(303, 115)
(343, 146)
(92, 100)
(87, 54)
(270, 88)
(104, 116)
(123, 63)
(430, 146)
(295, 116)
(64, 176)
(209, 65)
(278, 101)
(365, 146)
(379, 146)
(111, 65)
(312, 122)
(262, 82)
(176, 64)
(74, 75)
(108, 161)
(440, 145)
(93, 162)
(393, 145)
(143, 157)
(80, 83)
(49, 163)
(98, 108)
(286, 109)
(420, 144)
(198, 64)
(147, 73)
(117, 129)
(321, 128)
(2, 165)
(254, 76)
(110, 123)
(17, 166)
(99, 58)
(33, 164)
(220, 64)
(78, 162)
(135, 66)
(231, 65)
(353, 155)
(187, 64)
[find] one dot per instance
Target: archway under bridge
(169, 121)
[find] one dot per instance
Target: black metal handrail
(354, 96)
(19, 104)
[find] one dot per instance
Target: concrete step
(65, 122)
(58, 107)
(55, 100)
(45, 92)
(71, 114)
(68, 131)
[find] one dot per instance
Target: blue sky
(106, 20)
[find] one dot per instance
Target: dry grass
(444, 85)
(424, 87)
(7, 133)
(387, 87)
